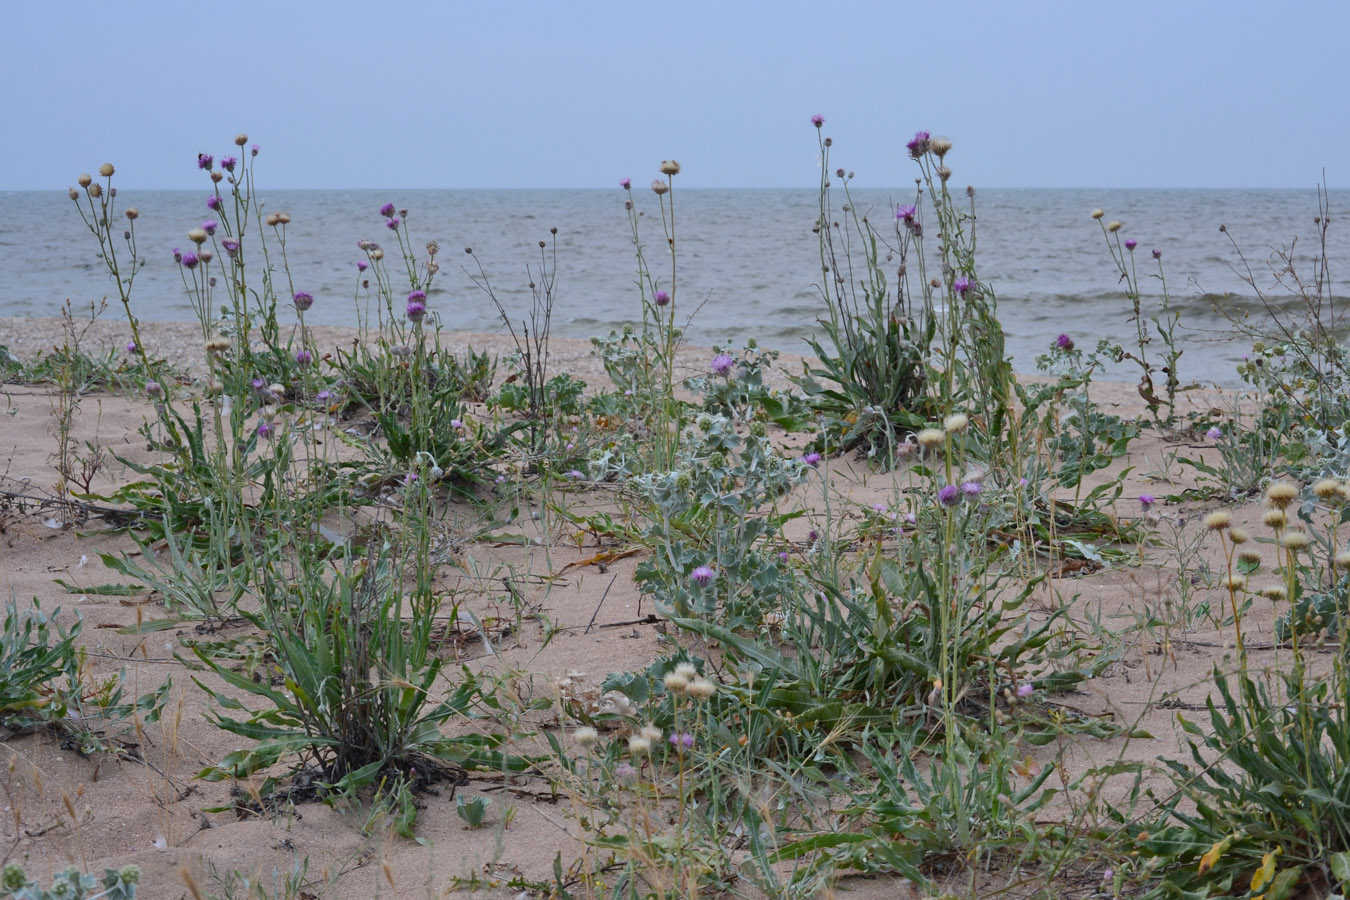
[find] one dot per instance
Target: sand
(145, 806)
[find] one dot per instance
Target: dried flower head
(240, 139)
(1281, 494)
(940, 146)
(1327, 488)
(106, 170)
(1098, 213)
(651, 733)
(670, 167)
(701, 689)
(1114, 226)
(639, 746)
(1239, 535)
(1275, 593)
(1218, 520)
(659, 186)
(675, 682)
(1275, 518)
(1343, 560)
(585, 736)
(931, 438)
(95, 190)
(1295, 540)
(1235, 583)
(955, 423)
(1250, 556)
(132, 213)
(85, 180)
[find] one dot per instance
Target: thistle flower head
(303, 300)
(1295, 540)
(812, 459)
(659, 186)
(931, 438)
(1275, 518)
(1114, 226)
(626, 183)
(1327, 488)
(1343, 560)
(1275, 593)
(1281, 494)
(639, 746)
(722, 364)
(1147, 501)
(670, 167)
(1238, 535)
(1130, 244)
(1218, 520)
(106, 170)
(1098, 213)
(702, 576)
(955, 423)
(701, 689)
(817, 120)
(1064, 342)
(585, 736)
(661, 298)
(949, 495)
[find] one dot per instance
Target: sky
(500, 94)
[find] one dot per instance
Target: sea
(748, 261)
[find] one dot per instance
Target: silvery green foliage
(71, 884)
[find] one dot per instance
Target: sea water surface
(748, 260)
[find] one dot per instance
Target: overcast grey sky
(381, 93)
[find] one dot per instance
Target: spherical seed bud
(106, 170)
(932, 437)
(1114, 226)
(85, 180)
(95, 190)
(1275, 518)
(283, 218)
(197, 236)
(272, 219)
(1281, 494)
(670, 167)
(240, 139)
(955, 423)
(1327, 488)
(1343, 559)
(1098, 213)
(1218, 520)
(585, 736)
(1295, 540)
(1239, 535)
(132, 213)
(72, 193)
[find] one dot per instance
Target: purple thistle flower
(702, 576)
(961, 285)
(661, 298)
(177, 255)
(228, 163)
(210, 226)
(190, 260)
(392, 223)
(905, 213)
(722, 364)
(266, 430)
(812, 459)
(213, 202)
(1146, 500)
(1131, 244)
(626, 183)
(1213, 434)
(1157, 254)
(416, 310)
(362, 265)
(817, 120)
(419, 296)
(1025, 689)
(153, 390)
(971, 488)
(231, 246)
(1064, 342)
(920, 145)
(624, 770)
(254, 149)
(304, 357)
(456, 424)
(205, 161)
(409, 479)
(387, 210)
(131, 347)
(303, 300)
(949, 495)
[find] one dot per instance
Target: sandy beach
(584, 619)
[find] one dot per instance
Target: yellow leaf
(1265, 873)
(1212, 855)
